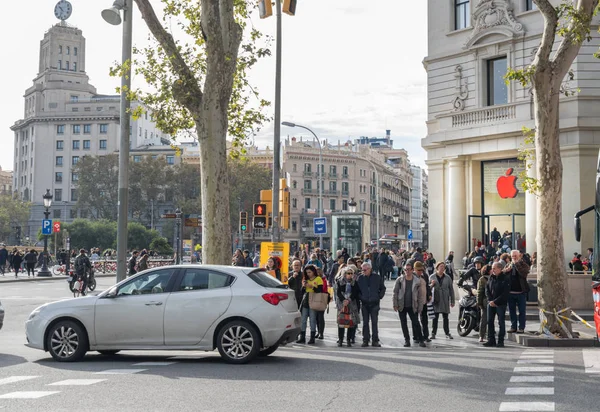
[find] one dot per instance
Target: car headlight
(36, 312)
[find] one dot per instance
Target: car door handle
(153, 303)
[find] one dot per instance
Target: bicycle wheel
(92, 284)
(57, 270)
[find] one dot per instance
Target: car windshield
(265, 280)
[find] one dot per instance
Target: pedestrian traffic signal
(259, 222)
(289, 7)
(243, 221)
(260, 209)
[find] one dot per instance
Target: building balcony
(345, 193)
(345, 176)
(333, 175)
(307, 173)
(309, 192)
(331, 193)
(492, 114)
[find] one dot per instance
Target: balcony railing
(345, 193)
(488, 115)
(309, 192)
(333, 175)
(307, 173)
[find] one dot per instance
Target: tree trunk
(216, 228)
(552, 276)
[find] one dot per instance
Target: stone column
(530, 216)
(436, 217)
(457, 210)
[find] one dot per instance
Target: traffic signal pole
(275, 236)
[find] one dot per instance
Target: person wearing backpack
(82, 265)
(30, 259)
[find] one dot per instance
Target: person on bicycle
(82, 267)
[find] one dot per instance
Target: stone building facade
(475, 125)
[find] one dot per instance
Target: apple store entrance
(483, 237)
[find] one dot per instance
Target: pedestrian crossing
(26, 384)
(534, 382)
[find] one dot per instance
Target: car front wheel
(238, 342)
(67, 341)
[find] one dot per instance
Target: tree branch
(542, 57)
(180, 67)
(569, 47)
(211, 23)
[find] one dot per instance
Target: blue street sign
(409, 234)
(320, 225)
(47, 227)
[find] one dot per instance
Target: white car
(1, 315)
(243, 312)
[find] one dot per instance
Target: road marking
(120, 371)
(535, 361)
(27, 395)
(154, 363)
(529, 391)
(77, 382)
(550, 356)
(520, 379)
(14, 379)
(534, 369)
(527, 406)
(591, 360)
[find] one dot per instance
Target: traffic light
(260, 209)
(284, 204)
(265, 8)
(243, 221)
(259, 222)
(289, 7)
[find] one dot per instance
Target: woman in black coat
(17, 260)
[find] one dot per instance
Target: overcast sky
(351, 68)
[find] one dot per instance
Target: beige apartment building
(6, 181)
(350, 172)
(475, 125)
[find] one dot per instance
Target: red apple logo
(506, 185)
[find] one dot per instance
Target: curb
(544, 342)
(536, 317)
(60, 277)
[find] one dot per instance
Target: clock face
(63, 10)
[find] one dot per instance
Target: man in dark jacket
(30, 259)
(517, 272)
(382, 262)
(372, 290)
(495, 235)
(132, 262)
(497, 291)
(295, 281)
(420, 272)
(334, 269)
(248, 260)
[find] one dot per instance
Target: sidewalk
(10, 277)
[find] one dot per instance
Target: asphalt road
(449, 375)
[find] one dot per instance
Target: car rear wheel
(67, 341)
(238, 342)
(268, 351)
(109, 352)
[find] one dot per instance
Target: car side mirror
(111, 294)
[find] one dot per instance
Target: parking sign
(410, 236)
(47, 227)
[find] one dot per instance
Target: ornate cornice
(494, 17)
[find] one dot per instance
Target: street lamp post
(396, 217)
(423, 225)
(320, 174)
(178, 222)
(44, 272)
(113, 16)
(376, 196)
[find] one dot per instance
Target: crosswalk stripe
(154, 363)
(527, 406)
(77, 382)
(529, 391)
(535, 361)
(13, 379)
(591, 360)
(521, 379)
(550, 356)
(120, 371)
(534, 369)
(27, 395)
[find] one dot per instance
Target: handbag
(345, 319)
(430, 311)
(318, 301)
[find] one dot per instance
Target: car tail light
(274, 298)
